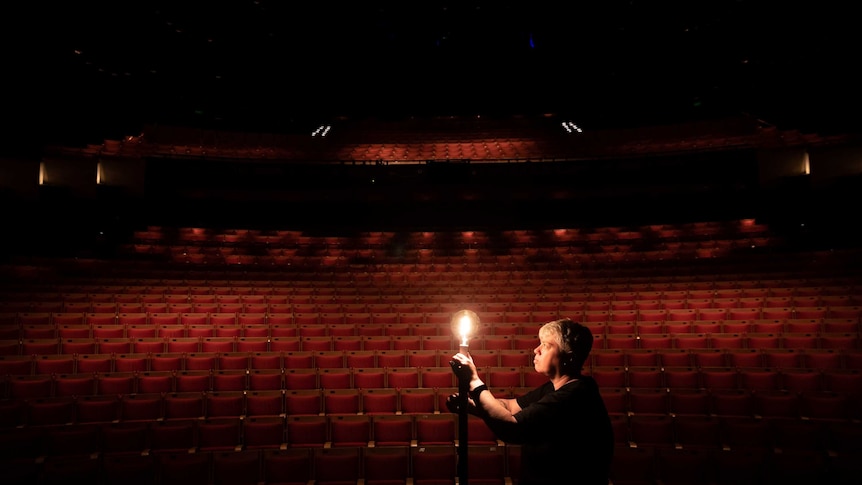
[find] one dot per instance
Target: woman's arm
(484, 402)
(500, 409)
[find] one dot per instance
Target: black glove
(461, 371)
(453, 403)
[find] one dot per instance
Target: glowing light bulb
(465, 323)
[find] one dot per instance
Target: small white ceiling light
(321, 130)
(571, 127)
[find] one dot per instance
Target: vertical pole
(463, 390)
(463, 373)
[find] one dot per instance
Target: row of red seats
(431, 464)
(368, 360)
(415, 313)
(660, 463)
(517, 297)
(820, 409)
(811, 359)
(515, 237)
(311, 428)
(755, 281)
(763, 334)
(343, 260)
(836, 341)
(171, 329)
(205, 432)
(224, 320)
(777, 358)
(266, 464)
(833, 315)
(438, 464)
(746, 377)
(258, 326)
(238, 434)
(28, 386)
(156, 345)
(413, 282)
(759, 404)
(731, 432)
(300, 359)
(701, 309)
(130, 382)
(152, 406)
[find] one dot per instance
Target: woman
(562, 425)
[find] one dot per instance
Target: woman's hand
(465, 360)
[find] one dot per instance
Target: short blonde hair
(574, 340)
(553, 331)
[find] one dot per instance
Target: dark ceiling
(83, 73)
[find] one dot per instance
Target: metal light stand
(465, 324)
(464, 375)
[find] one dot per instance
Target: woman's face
(546, 359)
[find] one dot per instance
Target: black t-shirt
(566, 435)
